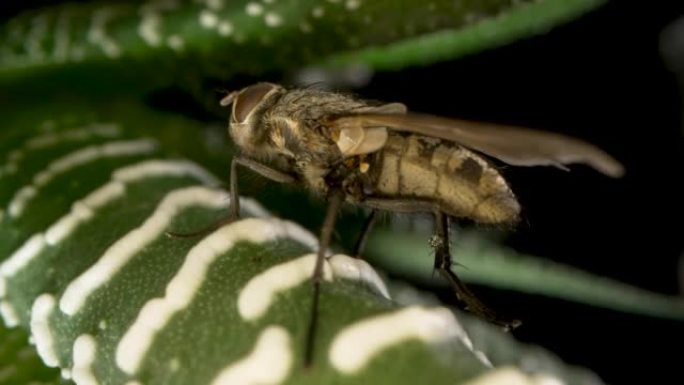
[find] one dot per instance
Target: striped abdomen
(461, 182)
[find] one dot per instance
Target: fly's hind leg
(259, 168)
(443, 263)
(365, 232)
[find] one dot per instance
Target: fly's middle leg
(335, 200)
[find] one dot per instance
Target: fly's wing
(354, 139)
(513, 145)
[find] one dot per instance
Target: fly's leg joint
(436, 242)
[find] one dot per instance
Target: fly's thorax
(316, 106)
(297, 129)
(460, 181)
(303, 117)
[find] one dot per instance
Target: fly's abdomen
(458, 180)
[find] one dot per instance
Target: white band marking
(85, 351)
(344, 266)
(97, 34)
(267, 364)
(510, 375)
(9, 315)
(83, 209)
(119, 253)
(105, 130)
(149, 168)
(357, 344)
(73, 160)
(25, 254)
(40, 329)
(260, 291)
(150, 25)
(181, 290)
(256, 297)
(149, 28)
(65, 373)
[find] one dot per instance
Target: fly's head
(247, 128)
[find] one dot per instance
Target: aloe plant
(92, 177)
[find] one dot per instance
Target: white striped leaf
(108, 298)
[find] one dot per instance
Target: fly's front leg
(261, 169)
(443, 263)
(335, 200)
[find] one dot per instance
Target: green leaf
(482, 262)
(523, 19)
(19, 363)
(164, 38)
(108, 297)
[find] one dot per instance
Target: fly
(382, 157)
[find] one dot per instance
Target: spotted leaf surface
(107, 297)
(227, 37)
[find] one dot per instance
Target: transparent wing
(513, 145)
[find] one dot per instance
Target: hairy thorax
(298, 129)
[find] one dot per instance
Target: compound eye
(248, 100)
